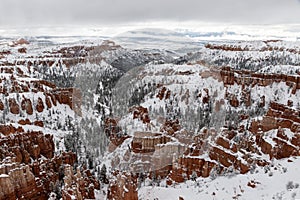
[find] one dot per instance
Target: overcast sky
(106, 12)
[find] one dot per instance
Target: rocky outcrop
(114, 133)
(278, 117)
(22, 102)
(20, 183)
(13, 106)
(3, 53)
(28, 122)
(252, 184)
(164, 157)
(111, 127)
(69, 96)
(25, 176)
(1, 105)
(145, 142)
(164, 93)
(265, 47)
(80, 185)
(34, 144)
(34, 181)
(38, 123)
(10, 129)
(183, 169)
(48, 101)
(24, 122)
(171, 126)
(226, 47)
(248, 78)
(232, 147)
(141, 113)
(40, 105)
(6, 188)
(171, 151)
(27, 105)
(22, 50)
(123, 186)
(234, 101)
(226, 159)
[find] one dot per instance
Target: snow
(271, 185)
(125, 189)
(280, 69)
(4, 176)
(100, 194)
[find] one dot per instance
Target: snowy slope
(279, 181)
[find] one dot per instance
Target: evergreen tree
(102, 175)
(194, 176)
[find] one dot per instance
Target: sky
(113, 12)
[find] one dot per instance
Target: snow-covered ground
(279, 181)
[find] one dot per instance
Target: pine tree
(102, 175)
(194, 176)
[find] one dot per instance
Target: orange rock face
(171, 126)
(114, 133)
(186, 166)
(278, 116)
(123, 187)
(18, 180)
(32, 181)
(24, 122)
(250, 78)
(25, 176)
(1, 105)
(141, 113)
(226, 47)
(40, 105)
(81, 185)
(9, 129)
(234, 101)
(161, 93)
(20, 183)
(30, 142)
(27, 106)
(68, 96)
(145, 142)
(22, 50)
(48, 101)
(13, 106)
(39, 123)
(227, 159)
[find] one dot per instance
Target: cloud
(53, 12)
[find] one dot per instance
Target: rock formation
(124, 186)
